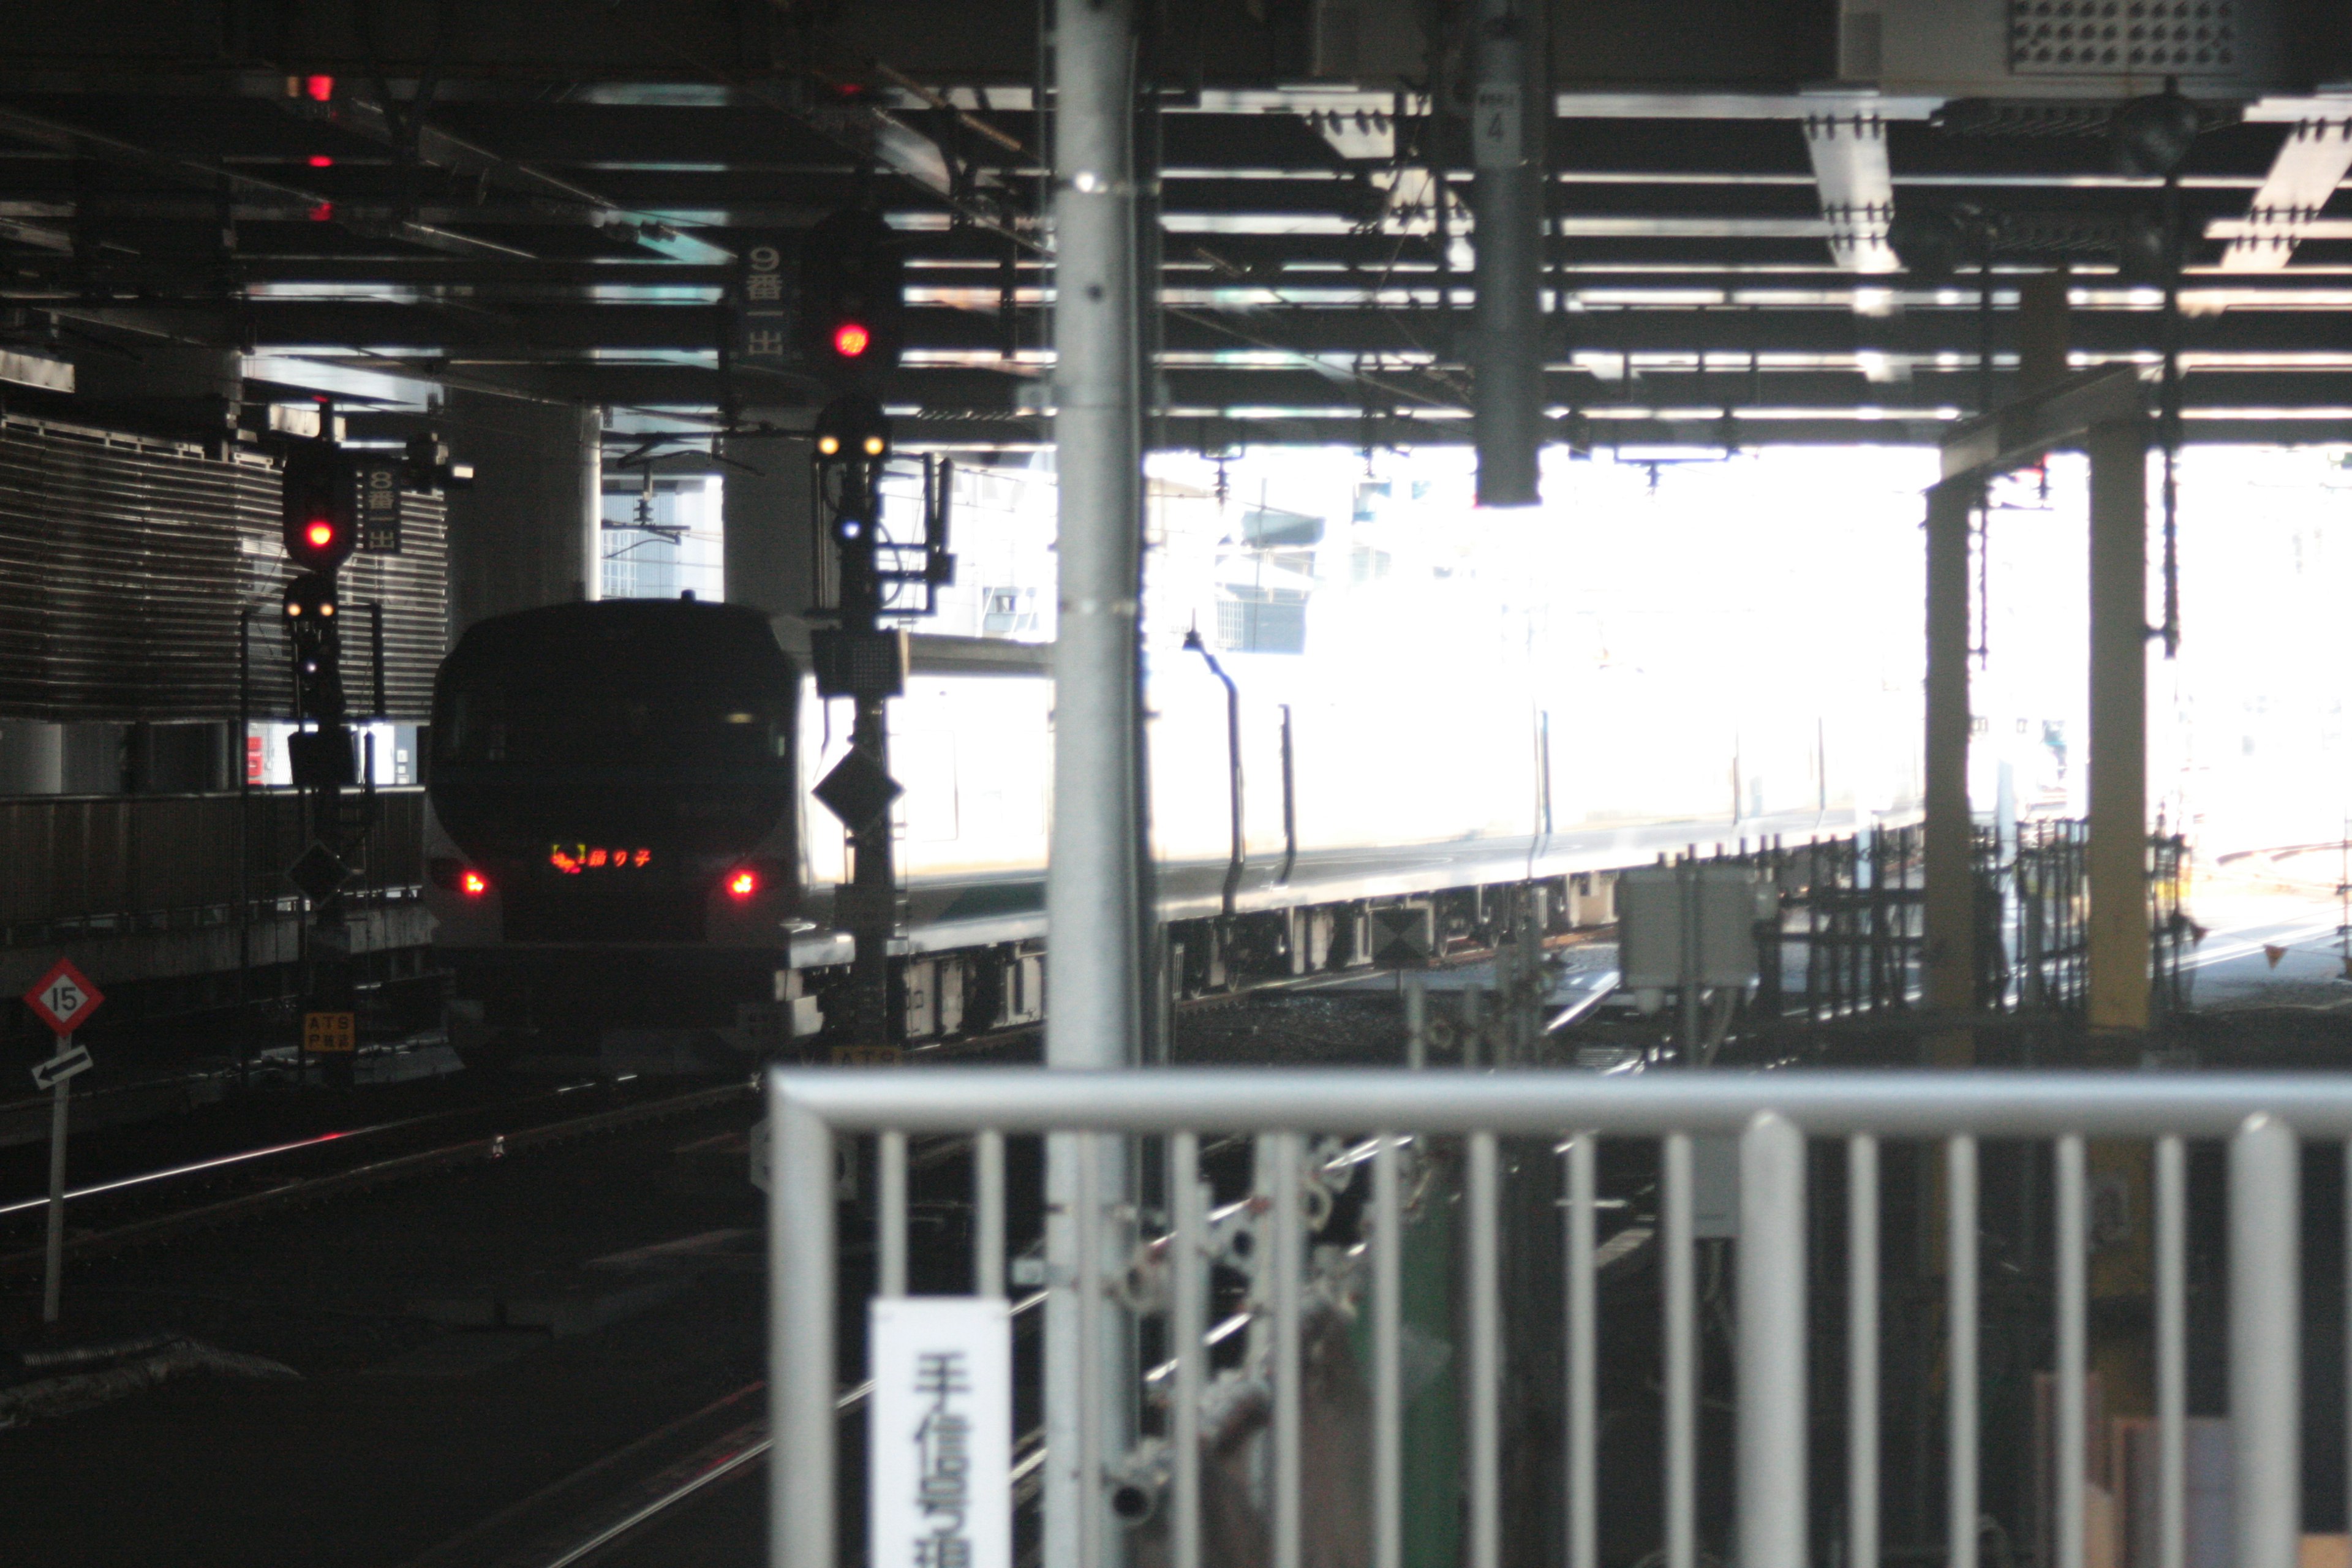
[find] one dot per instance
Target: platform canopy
(1770, 221)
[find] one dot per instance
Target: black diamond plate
(857, 791)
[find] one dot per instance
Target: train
(625, 865)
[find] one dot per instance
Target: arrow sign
(63, 997)
(73, 1059)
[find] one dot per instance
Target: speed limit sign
(64, 998)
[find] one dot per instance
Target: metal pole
(800, 1339)
(890, 1215)
(1286, 1258)
(2072, 1345)
(2266, 1397)
(2116, 859)
(1187, 1323)
(1772, 1351)
(1484, 1489)
(1583, 1323)
(1861, 1351)
(1388, 1372)
(1416, 1018)
(1960, 1374)
(2172, 1352)
(988, 1217)
(53, 1259)
(1092, 888)
(1509, 111)
(1950, 892)
(1682, 1355)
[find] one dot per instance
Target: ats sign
(941, 1471)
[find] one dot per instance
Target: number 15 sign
(63, 997)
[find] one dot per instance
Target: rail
(2262, 1120)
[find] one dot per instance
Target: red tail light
(472, 884)
(743, 885)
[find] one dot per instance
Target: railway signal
(319, 506)
(852, 311)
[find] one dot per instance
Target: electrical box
(1656, 918)
(2061, 49)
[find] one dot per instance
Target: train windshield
(587, 714)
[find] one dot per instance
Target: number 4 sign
(64, 998)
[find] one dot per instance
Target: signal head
(319, 502)
(853, 426)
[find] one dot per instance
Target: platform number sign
(328, 1033)
(1497, 123)
(767, 301)
(63, 997)
(379, 505)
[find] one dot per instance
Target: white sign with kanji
(941, 1433)
(63, 997)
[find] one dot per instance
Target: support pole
(1094, 942)
(1509, 111)
(2117, 857)
(53, 1255)
(1950, 894)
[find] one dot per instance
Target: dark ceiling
(547, 198)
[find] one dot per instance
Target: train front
(612, 848)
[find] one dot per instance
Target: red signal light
(743, 885)
(472, 884)
(320, 534)
(851, 339)
(320, 87)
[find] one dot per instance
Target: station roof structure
(1768, 221)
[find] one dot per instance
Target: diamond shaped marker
(857, 791)
(317, 872)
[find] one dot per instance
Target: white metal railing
(2262, 1120)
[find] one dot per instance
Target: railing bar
(1861, 1351)
(1682, 1356)
(1086, 1290)
(1830, 1103)
(1388, 1376)
(890, 1220)
(1485, 1354)
(1188, 1287)
(1584, 1323)
(2264, 1396)
(1287, 1258)
(988, 1214)
(2073, 1348)
(1960, 1355)
(2172, 1352)
(801, 1337)
(1770, 1362)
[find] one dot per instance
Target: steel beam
(2118, 854)
(1950, 891)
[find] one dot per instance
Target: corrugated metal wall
(133, 858)
(124, 563)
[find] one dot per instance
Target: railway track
(407, 1164)
(631, 1494)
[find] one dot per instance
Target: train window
(568, 717)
